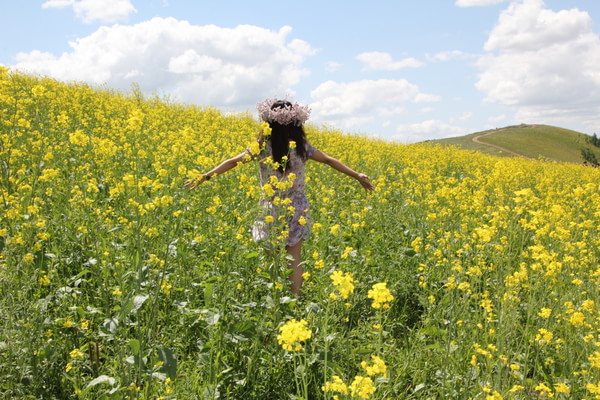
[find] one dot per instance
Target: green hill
(530, 141)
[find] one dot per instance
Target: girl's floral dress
(299, 222)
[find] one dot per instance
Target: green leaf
(410, 253)
(243, 326)
(170, 362)
(212, 318)
(134, 344)
(420, 386)
(364, 350)
(433, 331)
(160, 376)
(132, 305)
(138, 302)
(102, 379)
(208, 294)
(79, 275)
(109, 327)
(211, 393)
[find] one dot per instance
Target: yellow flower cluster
(381, 295)
(336, 385)
(376, 367)
(361, 386)
(595, 359)
(76, 353)
(544, 337)
(292, 334)
(343, 282)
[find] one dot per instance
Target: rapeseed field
(462, 276)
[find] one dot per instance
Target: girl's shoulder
(310, 149)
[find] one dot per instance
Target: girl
(282, 155)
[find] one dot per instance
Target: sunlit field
(462, 276)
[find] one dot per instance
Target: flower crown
(295, 114)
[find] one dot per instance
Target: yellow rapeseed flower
(544, 390)
(544, 336)
(593, 388)
(268, 189)
(254, 148)
(562, 388)
(343, 282)
(494, 396)
(376, 367)
(362, 386)
(516, 388)
(336, 385)
(292, 333)
(347, 251)
(380, 294)
(335, 229)
(44, 280)
(76, 353)
(545, 312)
(588, 305)
(165, 287)
(577, 319)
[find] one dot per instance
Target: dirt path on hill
(477, 138)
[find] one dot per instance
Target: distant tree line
(594, 140)
(589, 157)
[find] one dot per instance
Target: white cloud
(332, 66)
(527, 26)
(95, 10)
(477, 3)
(430, 129)
(391, 111)
(208, 65)
(377, 60)
(497, 118)
(449, 55)
(465, 116)
(190, 62)
(300, 46)
(353, 103)
(427, 98)
(546, 64)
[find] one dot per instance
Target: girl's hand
(193, 183)
(364, 181)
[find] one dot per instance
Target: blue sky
(400, 70)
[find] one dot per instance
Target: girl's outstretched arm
(340, 166)
(218, 170)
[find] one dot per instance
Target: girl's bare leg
(296, 277)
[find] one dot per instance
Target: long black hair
(281, 135)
